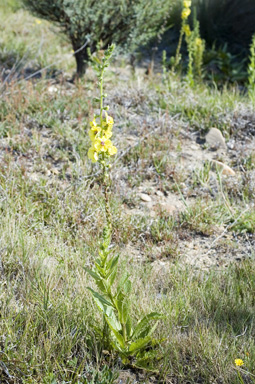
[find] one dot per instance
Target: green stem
(177, 56)
(107, 204)
(124, 332)
(101, 98)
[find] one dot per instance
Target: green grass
(52, 217)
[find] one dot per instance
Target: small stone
(145, 197)
(169, 208)
(55, 171)
(226, 170)
(195, 147)
(160, 194)
(34, 177)
(215, 139)
(52, 89)
(48, 172)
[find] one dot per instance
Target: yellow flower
(93, 155)
(186, 30)
(198, 41)
(93, 123)
(187, 3)
(112, 150)
(38, 21)
(185, 13)
(93, 133)
(99, 135)
(108, 122)
(102, 144)
(239, 362)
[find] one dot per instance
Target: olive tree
(127, 23)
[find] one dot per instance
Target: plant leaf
(116, 333)
(93, 274)
(122, 281)
(112, 262)
(129, 326)
(139, 344)
(144, 323)
(103, 304)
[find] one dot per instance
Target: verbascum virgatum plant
(113, 297)
(186, 11)
(196, 47)
(251, 72)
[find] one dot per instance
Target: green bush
(128, 23)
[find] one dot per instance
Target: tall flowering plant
(113, 297)
(186, 11)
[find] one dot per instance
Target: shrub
(127, 23)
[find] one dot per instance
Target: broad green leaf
(129, 326)
(93, 274)
(109, 271)
(105, 305)
(102, 286)
(100, 269)
(122, 306)
(143, 324)
(127, 287)
(151, 331)
(114, 322)
(116, 333)
(139, 344)
(122, 281)
(112, 262)
(112, 277)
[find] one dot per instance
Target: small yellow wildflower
(100, 134)
(198, 41)
(93, 123)
(185, 13)
(108, 122)
(186, 30)
(239, 362)
(187, 3)
(93, 155)
(112, 150)
(93, 133)
(38, 21)
(102, 144)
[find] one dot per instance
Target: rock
(55, 171)
(52, 89)
(160, 194)
(34, 177)
(215, 139)
(226, 170)
(169, 208)
(145, 197)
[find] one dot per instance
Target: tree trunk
(81, 63)
(81, 57)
